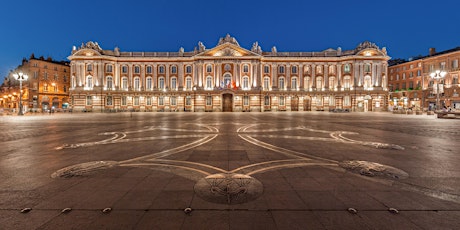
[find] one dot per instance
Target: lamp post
(438, 75)
(20, 77)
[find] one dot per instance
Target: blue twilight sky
(51, 27)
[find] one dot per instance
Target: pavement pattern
(285, 170)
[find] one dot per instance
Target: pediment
(86, 53)
(227, 50)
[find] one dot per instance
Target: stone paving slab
(158, 162)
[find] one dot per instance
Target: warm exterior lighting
(438, 75)
(20, 77)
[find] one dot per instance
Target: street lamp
(20, 77)
(438, 75)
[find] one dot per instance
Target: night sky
(52, 27)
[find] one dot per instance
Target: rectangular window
(45, 76)
(455, 64)
(149, 69)
(136, 101)
(267, 100)
(109, 101)
(281, 101)
(294, 69)
(419, 73)
(149, 101)
(124, 69)
(188, 101)
(281, 69)
(89, 67)
(411, 85)
(35, 74)
(161, 101)
(246, 100)
(173, 101)
(208, 100)
(89, 100)
(124, 101)
(188, 69)
(174, 69)
(346, 101)
(161, 69)
(137, 69)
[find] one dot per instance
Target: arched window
(208, 68)
(307, 83)
(174, 83)
(367, 82)
(331, 69)
(173, 69)
(137, 69)
(227, 80)
(245, 82)
(188, 83)
(319, 83)
(266, 69)
(124, 83)
(124, 69)
(137, 83)
(149, 85)
(208, 82)
(161, 69)
(281, 83)
(89, 82)
(149, 69)
(109, 82)
(331, 82)
(294, 69)
(188, 69)
(108, 68)
(245, 69)
(161, 83)
(266, 83)
(294, 83)
(281, 69)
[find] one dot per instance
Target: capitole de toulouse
(228, 77)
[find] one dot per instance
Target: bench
(448, 114)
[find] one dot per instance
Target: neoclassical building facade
(229, 78)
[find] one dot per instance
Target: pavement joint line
(231, 209)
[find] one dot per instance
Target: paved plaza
(284, 170)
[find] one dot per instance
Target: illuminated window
(109, 100)
(209, 82)
(346, 68)
(331, 82)
(245, 82)
(188, 83)
(109, 82)
(319, 83)
(267, 100)
(124, 83)
(245, 100)
(89, 100)
(149, 85)
(208, 100)
(124, 101)
(89, 82)
(161, 83)
(149, 101)
(137, 84)
(173, 101)
(266, 83)
(281, 101)
(281, 83)
(188, 101)
(173, 83)
(294, 83)
(161, 101)
(346, 82)
(136, 101)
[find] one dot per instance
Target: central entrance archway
(227, 105)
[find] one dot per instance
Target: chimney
(432, 51)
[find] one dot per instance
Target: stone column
(326, 76)
(313, 76)
(275, 76)
(339, 75)
(180, 70)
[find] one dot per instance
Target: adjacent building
(412, 87)
(47, 86)
(228, 77)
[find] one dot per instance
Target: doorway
(295, 103)
(227, 105)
